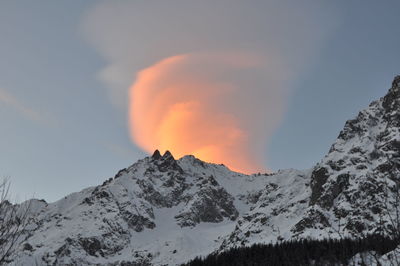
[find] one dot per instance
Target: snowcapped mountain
(159, 210)
(162, 211)
(353, 191)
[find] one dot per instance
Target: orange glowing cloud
(186, 104)
(224, 95)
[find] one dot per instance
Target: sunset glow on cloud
(181, 104)
(217, 88)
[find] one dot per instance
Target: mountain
(163, 211)
(353, 191)
(159, 210)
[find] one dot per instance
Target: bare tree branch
(13, 221)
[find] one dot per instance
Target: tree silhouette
(13, 221)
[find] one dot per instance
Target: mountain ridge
(163, 211)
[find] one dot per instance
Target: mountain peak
(166, 162)
(156, 155)
(168, 155)
(396, 82)
(391, 102)
(353, 177)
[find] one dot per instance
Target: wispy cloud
(22, 108)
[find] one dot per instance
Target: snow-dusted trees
(13, 221)
(391, 210)
(388, 225)
(304, 252)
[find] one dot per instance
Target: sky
(85, 84)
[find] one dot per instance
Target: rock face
(163, 211)
(357, 181)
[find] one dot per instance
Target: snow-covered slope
(353, 191)
(357, 183)
(159, 210)
(162, 211)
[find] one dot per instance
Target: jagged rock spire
(396, 82)
(168, 155)
(391, 102)
(166, 162)
(156, 155)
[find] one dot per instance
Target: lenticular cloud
(202, 105)
(209, 78)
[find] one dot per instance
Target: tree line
(299, 252)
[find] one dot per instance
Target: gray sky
(66, 68)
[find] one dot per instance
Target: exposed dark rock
(168, 155)
(27, 247)
(121, 172)
(391, 102)
(107, 182)
(351, 129)
(318, 179)
(212, 204)
(212, 181)
(100, 194)
(336, 188)
(87, 201)
(314, 219)
(156, 155)
(92, 246)
(64, 250)
(355, 226)
(151, 194)
(138, 222)
(167, 163)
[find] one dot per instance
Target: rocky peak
(156, 155)
(168, 156)
(391, 103)
(395, 89)
(166, 162)
(385, 110)
(360, 165)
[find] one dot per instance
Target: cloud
(10, 100)
(196, 104)
(180, 68)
